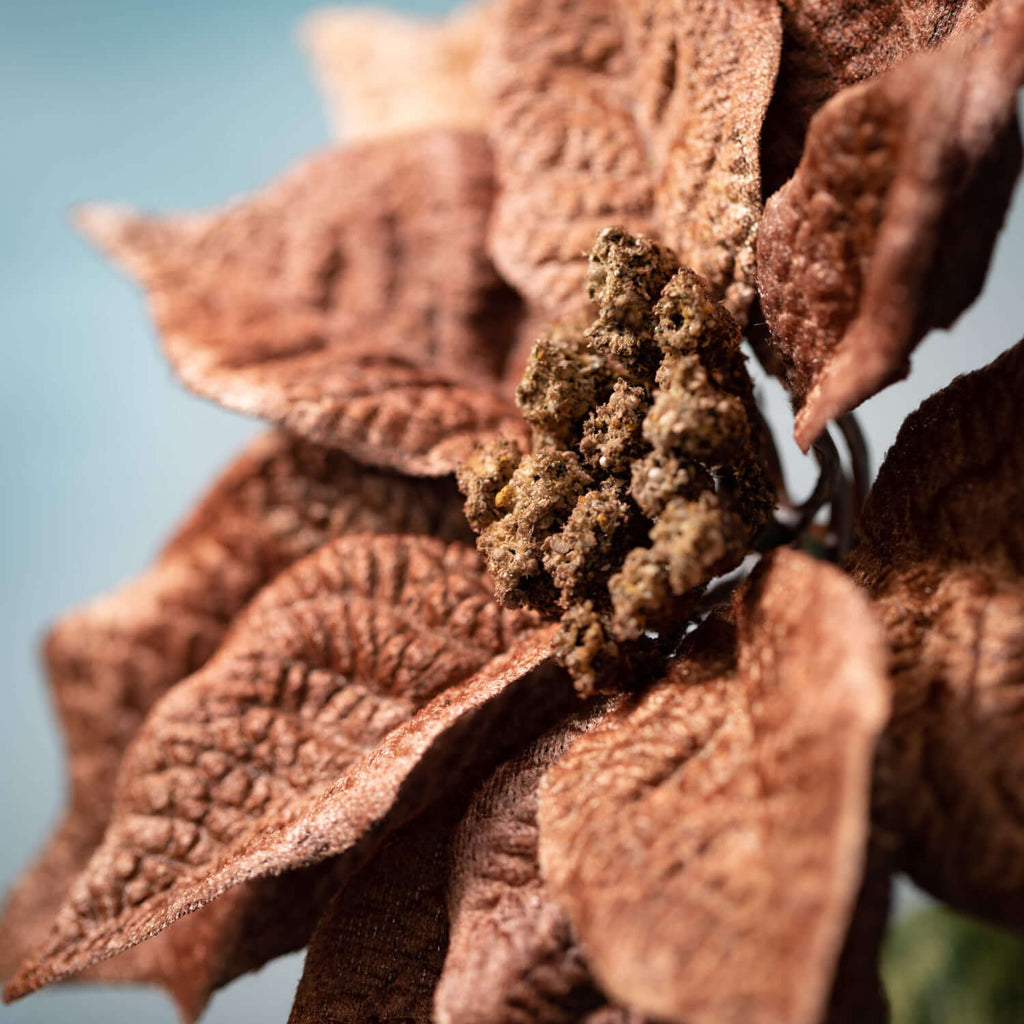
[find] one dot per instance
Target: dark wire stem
(830, 474)
(841, 514)
(797, 520)
(842, 491)
(770, 454)
(860, 460)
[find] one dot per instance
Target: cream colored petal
(384, 73)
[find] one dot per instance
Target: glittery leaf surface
(646, 115)
(313, 721)
(828, 45)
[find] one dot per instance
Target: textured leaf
(512, 958)
(248, 926)
(708, 842)
(950, 487)
(301, 741)
(943, 556)
(828, 45)
(887, 228)
(352, 302)
(110, 661)
(384, 73)
(645, 114)
(378, 950)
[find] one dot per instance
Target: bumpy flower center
(645, 479)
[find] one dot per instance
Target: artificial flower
(312, 722)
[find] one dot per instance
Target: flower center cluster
(644, 481)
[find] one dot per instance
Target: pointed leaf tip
(387, 763)
(352, 301)
(887, 227)
(132, 239)
(104, 224)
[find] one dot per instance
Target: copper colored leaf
(951, 767)
(708, 842)
(352, 301)
(646, 114)
(249, 925)
(943, 556)
(301, 741)
(950, 490)
(377, 951)
(110, 661)
(384, 73)
(828, 45)
(887, 228)
(512, 958)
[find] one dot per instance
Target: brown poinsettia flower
(326, 717)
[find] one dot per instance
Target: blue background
(171, 106)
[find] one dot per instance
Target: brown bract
(351, 752)
(302, 736)
(857, 992)
(471, 888)
(828, 45)
(645, 114)
(379, 947)
(708, 842)
(512, 958)
(110, 661)
(352, 302)
(384, 73)
(943, 556)
(887, 227)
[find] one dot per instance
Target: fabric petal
(648, 115)
(512, 956)
(378, 950)
(352, 302)
(887, 227)
(110, 661)
(828, 45)
(708, 843)
(943, 557)
(302, 736)
(385, 73)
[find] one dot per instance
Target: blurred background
(176, 106)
